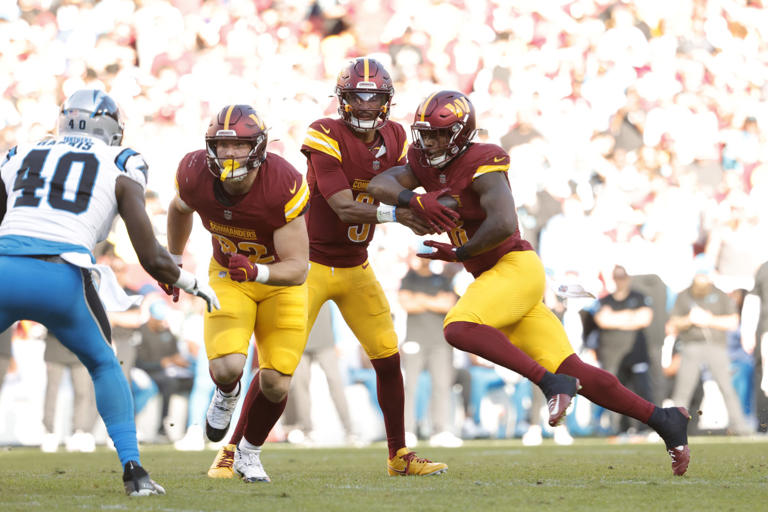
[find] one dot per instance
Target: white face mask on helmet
(94, 113)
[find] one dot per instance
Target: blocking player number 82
(29, 180)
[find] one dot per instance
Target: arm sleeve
(329, 174)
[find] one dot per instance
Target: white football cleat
(248, 465)
(220, 414)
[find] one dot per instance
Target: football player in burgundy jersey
(343, 155)
(253, 203)
(502, 317)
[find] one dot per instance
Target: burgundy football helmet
(236, 123)
(443, 127)
(364, 90)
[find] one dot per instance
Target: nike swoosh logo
(418, 200)
(399, 471)
(498, 158)
(292, 189)
(326, 130)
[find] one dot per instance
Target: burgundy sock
(389, 389)
(226, 388)
(253, 389)
(262, 414)
(491, 344)
(604, 389)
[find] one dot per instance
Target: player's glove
(170, 289)
(427, 207)
(192, 286)
(442, 251)
(241, 269)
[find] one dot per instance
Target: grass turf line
(725, 474)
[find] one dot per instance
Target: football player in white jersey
(58, 198)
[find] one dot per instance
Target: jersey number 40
(29, 180)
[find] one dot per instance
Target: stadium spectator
(426, 294)
(621, 318)
(343, 154)
(250, 214)
(46, 270)
(320, 349)
(754, 340)
(159, 355)
(57, 359)
(5, 352)
(700, 318)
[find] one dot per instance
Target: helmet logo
(459, 107)
(366, 85)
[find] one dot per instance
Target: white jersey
(61, 193)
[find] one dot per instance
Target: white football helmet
(92, 112)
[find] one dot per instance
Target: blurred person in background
(343, 154)
(621, 318)
(46, 250)
(700, 318)
(320, 349)
(5, 352)
(754, 340)
(426, 294)
(524, 335)
(252, 202)
(158, 354)
(57, 359)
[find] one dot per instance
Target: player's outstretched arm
(387, 186)
(3, 200)
(152, 256)
(292, 246)
(180, 220)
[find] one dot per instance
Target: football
(449, 201)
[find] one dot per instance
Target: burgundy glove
(427, 207)
(241, 269)
(169, 289)
(442, 251)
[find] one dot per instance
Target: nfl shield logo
(376, 165)
(228, 214)
(442, 178)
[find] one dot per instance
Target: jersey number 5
(28, 180)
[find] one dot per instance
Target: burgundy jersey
(278, 195)
(458, 175)
(338, 160)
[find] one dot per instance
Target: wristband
(461, 253)
(404, 197)
(186, 280)
(176, 258)
(386, 213)
(262, 274)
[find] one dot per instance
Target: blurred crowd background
(636, 132)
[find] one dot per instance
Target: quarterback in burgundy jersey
(502, 317)
(253, 204)
(343, 155)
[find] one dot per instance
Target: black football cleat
(559, 396)
(137, 482)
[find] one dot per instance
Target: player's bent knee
(274, 384)
(227, 369)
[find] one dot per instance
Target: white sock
(234, 392)
(245, 445)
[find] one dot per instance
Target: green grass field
(725, 474)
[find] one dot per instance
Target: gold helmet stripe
(366, 69)
(424, 107)
(257, 120)
(229, 114)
